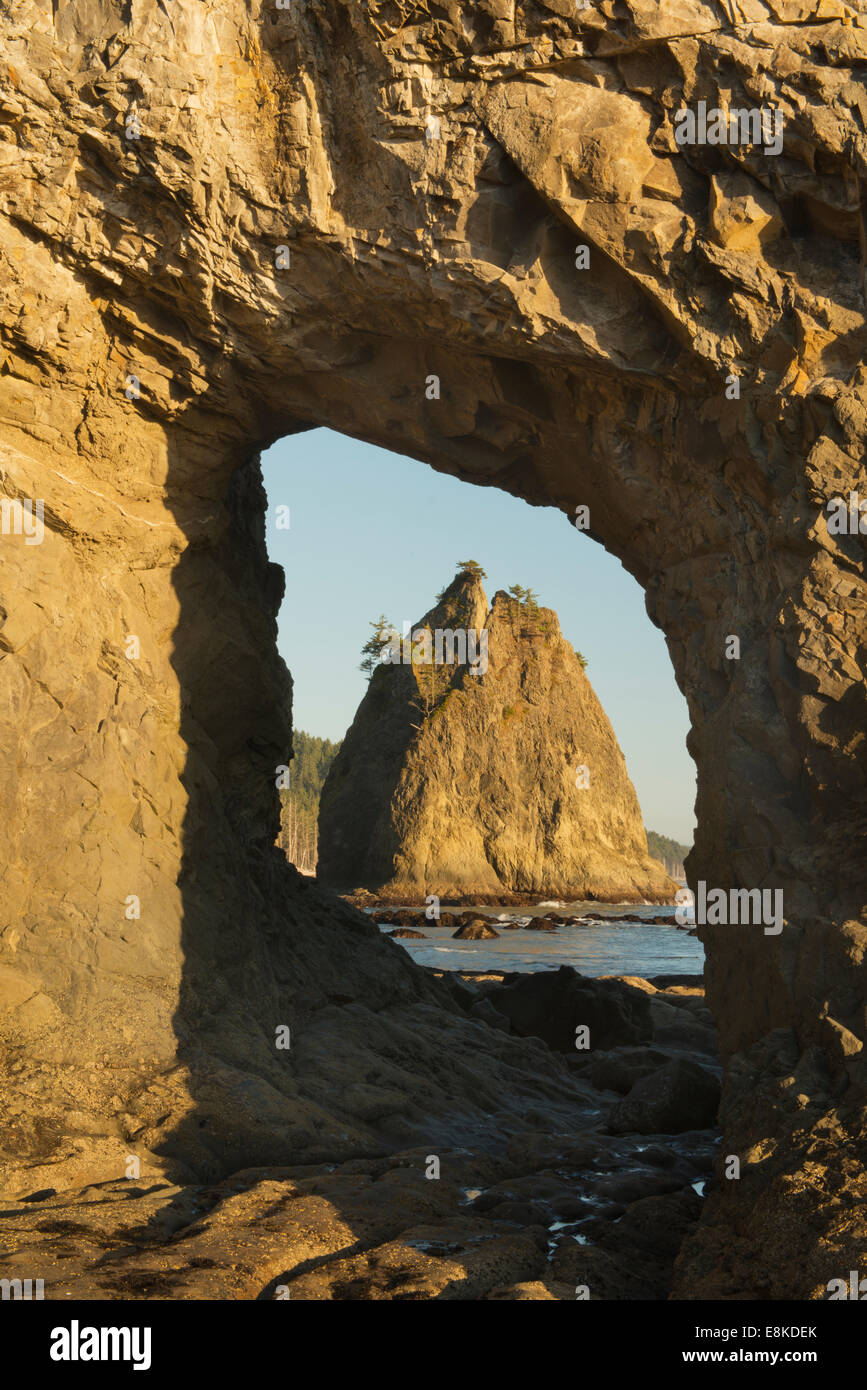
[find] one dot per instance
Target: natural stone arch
(454, 256)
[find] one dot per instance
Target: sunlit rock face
(481, 763)
(225, 224)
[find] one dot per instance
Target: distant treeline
(668, 852)
(299, 809)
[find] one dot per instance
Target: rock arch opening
(399, 529)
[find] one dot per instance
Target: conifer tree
(371, 652)
(471, 568)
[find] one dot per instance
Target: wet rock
(485, 1012)
(677, 1096)
(552, 1004)
(658, 1156)
(571, 1208)
(631, 1258)
(540, 1186)
(619, 1070)
(584, 1152)
(477, 930)
(400, 917)
(656, 1225)
(631, 1187)
(407, 931)
(522, 1213)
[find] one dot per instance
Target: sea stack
(480, 763)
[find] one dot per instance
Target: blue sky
(371, 532)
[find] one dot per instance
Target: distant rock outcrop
(506, 779)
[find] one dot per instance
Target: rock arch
(431, 172)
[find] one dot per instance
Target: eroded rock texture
(156, 258)
(484, 768)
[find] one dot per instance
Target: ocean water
(613, 947)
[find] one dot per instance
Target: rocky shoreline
(469, 925)
(363, 899)
(597, 1210)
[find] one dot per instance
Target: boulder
(552, 1004)
(678, 1096)
(479, 930)
(633, 1257)
(618, 1071)
(656, 1225)
(397, 917)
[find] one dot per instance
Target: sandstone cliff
(506, 781)
(430, 172)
